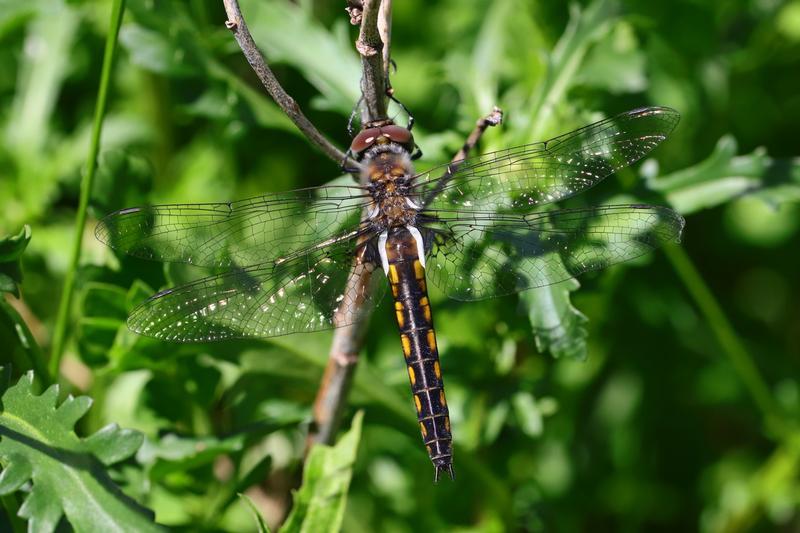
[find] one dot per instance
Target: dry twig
(347, 340)
(370, 46)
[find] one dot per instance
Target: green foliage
(67, 473)
(658, 394)
(319, 504)
(11, 248)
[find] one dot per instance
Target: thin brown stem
(385, 30)
(348, 339)
(238, 27)
(492, 119)
(370, 47)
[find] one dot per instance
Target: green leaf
(724, 176)
(557, 325)
(176, 454)
(104, 310)
(330, 65)
(154, 51)
(586, 27)
(260, 522)
(38, 443)
(320, 502)
(11, 248)
(23, 344)
(616, 64)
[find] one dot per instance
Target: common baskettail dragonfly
(481, 229)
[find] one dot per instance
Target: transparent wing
(244, 232)
(482, 256)
(541, 173)
(309, 291)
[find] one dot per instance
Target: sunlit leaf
(320, 502)
(38, 443)
(724, 176)
(558, 327)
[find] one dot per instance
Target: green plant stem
(31, 348)
(777, 475)
(11, 506)
(732, 346)
(59, 336)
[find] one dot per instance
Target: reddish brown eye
(397, 134)
(364, 140)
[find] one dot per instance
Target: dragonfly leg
(393, 98)
(343, 165)
(353, 116)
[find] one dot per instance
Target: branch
(492, 119)
(238, 27)
(385, 30)
(348, 339)
(370, 46)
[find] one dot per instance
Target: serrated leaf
(73, 409)
(724, 176)
(67, 473)
(113, 444)
(15, 474)
(320, 502)
(558, 326)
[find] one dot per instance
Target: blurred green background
(648, 398)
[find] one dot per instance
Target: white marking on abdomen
(420, 245)
(382, 251)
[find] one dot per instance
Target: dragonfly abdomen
(406, 275)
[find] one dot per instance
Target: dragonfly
(482, 228)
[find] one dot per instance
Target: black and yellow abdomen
(406, 275)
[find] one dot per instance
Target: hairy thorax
(388, 172)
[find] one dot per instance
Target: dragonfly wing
(540, 173)
(226, 234)
(480, 256)
(309, 291)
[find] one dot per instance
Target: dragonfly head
(381, 134)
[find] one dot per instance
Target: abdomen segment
(406, 275)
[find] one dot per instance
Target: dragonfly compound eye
(399, 134)
(364, 140)
(381, 135)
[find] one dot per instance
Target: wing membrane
(527, 176)
(307, 292)
(482, 256)
(244, 232)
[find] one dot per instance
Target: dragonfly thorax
(388, 174)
